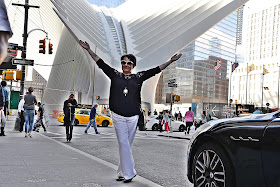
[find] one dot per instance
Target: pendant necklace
(125, 91)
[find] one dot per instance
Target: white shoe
(30, 135)
(25, 135)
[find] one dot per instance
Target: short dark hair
(39, 103)
(30, 89)
(3, 83)
(190, 108)
(71, 95)
(130, 57)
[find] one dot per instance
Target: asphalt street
(161, 160)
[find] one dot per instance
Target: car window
(79, 112)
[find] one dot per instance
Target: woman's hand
(175, 57)
(84, 45)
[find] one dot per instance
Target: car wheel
(212, 167)
(105, 123)
(155, 127)
(182, 128)
(76, 122)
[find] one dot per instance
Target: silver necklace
(125, 91)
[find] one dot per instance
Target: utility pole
(25, 35)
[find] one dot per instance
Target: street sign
(172, 85)
(12, 49)
(17, 61)
(171, 81)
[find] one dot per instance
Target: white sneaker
(25, 135)
(30, 135)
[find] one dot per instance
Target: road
(159, 159)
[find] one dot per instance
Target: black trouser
(69, 126)
(188, 126)
(5, 107)
(22, 120)
(159, 125)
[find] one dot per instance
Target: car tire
(155, 127)
(212, 167)
(182, 128)
(76, 122)
(105, 123)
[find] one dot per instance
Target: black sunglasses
(123, 62)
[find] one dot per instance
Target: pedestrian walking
(257, 111)
(228, 114)
(20, 113)
(29, 111)
(69, 115)
(160, 119)
(104, 111)
(208, 116)
(40, 118)
(6, 96)
(108, 112)
(189, 119)
(166, 121)
(2, 117)
(155, 112)
(176, 116)
(5, 31)
(125, 104)
(92, 119)
(180, 116)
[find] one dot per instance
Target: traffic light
(97, 97)
(50, 48)
(177, 98)
(42, 46)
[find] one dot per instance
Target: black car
(236, 152)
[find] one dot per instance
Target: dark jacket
(92, 113)
(66, 109)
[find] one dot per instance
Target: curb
(177, 137)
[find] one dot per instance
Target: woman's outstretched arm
(173, 58)
(86, 46)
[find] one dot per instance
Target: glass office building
(196, 79)
(107, 3)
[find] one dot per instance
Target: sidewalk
(42, 161)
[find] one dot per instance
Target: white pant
(125, 129)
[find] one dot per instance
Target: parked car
(241, 151)
(153, 123)
(82, 117)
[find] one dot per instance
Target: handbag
(3, 118)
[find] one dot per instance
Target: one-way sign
(172, 85)
(172, 81)
(17, 61)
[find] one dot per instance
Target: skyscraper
(195, 76)
(260, 44)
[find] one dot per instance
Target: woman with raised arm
(125, 104)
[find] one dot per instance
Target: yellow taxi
(82, 117)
